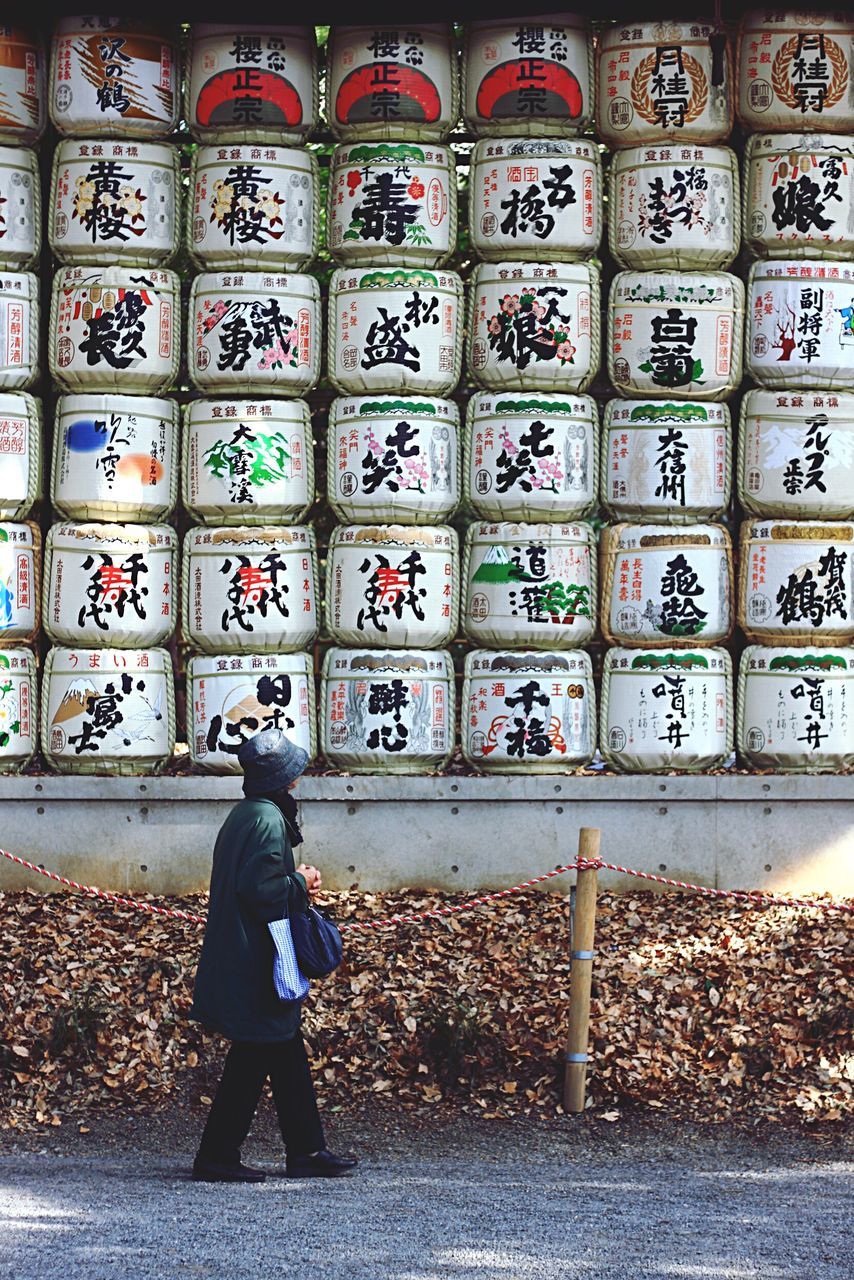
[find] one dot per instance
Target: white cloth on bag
(290, 984)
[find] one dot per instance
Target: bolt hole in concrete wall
(662, 866)
(454, 868)
(40, 810)
(143, 867)
(767, 866)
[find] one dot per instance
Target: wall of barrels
(474, 398)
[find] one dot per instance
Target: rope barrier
(753, 897)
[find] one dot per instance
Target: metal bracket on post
(582, 916)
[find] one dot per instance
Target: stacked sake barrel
(113, 342)
(22, 122)
(249, 574)
(796, 437)
(394, 355)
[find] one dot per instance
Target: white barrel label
(794, 708)
(20, 205)
(230, 699)
(795, 70)
(392, 82)
(18, 708)
(799, 195)
(23, 101)
(797, 581)
(796, 453)
(801, 324)
(19, 328)
(20, 454)
(20, 572)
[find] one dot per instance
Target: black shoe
(212, 1171)
(322, 1165)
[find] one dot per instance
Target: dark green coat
(253, 881)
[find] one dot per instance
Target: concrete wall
(132, 835)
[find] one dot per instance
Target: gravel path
(522, 1200)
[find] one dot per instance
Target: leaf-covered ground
(710, 1011)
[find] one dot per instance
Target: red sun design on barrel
(254, 97)
(387, 91)
(529, 87)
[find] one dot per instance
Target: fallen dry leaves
(711, 1011)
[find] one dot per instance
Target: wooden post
(581, 975)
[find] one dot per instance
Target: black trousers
(247, 1067)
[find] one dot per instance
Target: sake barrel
(392, 203)
(675, 206)
(248, 461)
(795, 71)
(528, 712)
(115, 202)
(18, 709)
(109, 584)
(395, 331)
(796, 582)
(393, 459)
(19, 330)
(114, 77)
(20, 206)
(254, 206)
(666, 587)
(529, 76)
(663, 711)
(534, 327)
(535, 199)
(108, 711)
(254, 332)
(794, 709)
(666, 461)
(796, 454)
(531, 456)
(115, 329)
(20, 453)
(675, 334)
(248, 590)
(387, 712)
(392, 82)
(800, 330)
(659, 81)
(529, 586)
(23, 102)
(799, 195)
(392, 586)
(251, 82)
(231, 698)
(20, 576)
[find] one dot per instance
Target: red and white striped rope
(755, 897)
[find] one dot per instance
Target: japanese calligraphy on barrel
(531, 456)
(108, 711)
(20, 207)
(794, 709)
(387, 712)
(538, 199)
(231, 698)
(534, 327)
(662, 81)
(248, 461)
(666, 587)
(675, 334)
(115, 202)
(666, 461)
(529, 586)
(109, 585)
(23, 100)
(796, 454)
(795, 71)
(676, 206)
(799, 195)
(528, 712)
(20, 577)
(663, 711)
(796, 582)
(18, 709)
(115, 458)
(392, 83)
(248, 590)
(113, 77)
(20, 454)
(393, 459)
(392, 203)
(19, 330)
(254, 333)
(800, 330)
(247, 82)
(531, 76)
(393, 585)
(115, 329)
(395, 330)
(253, 206)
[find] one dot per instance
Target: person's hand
(311, 875)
